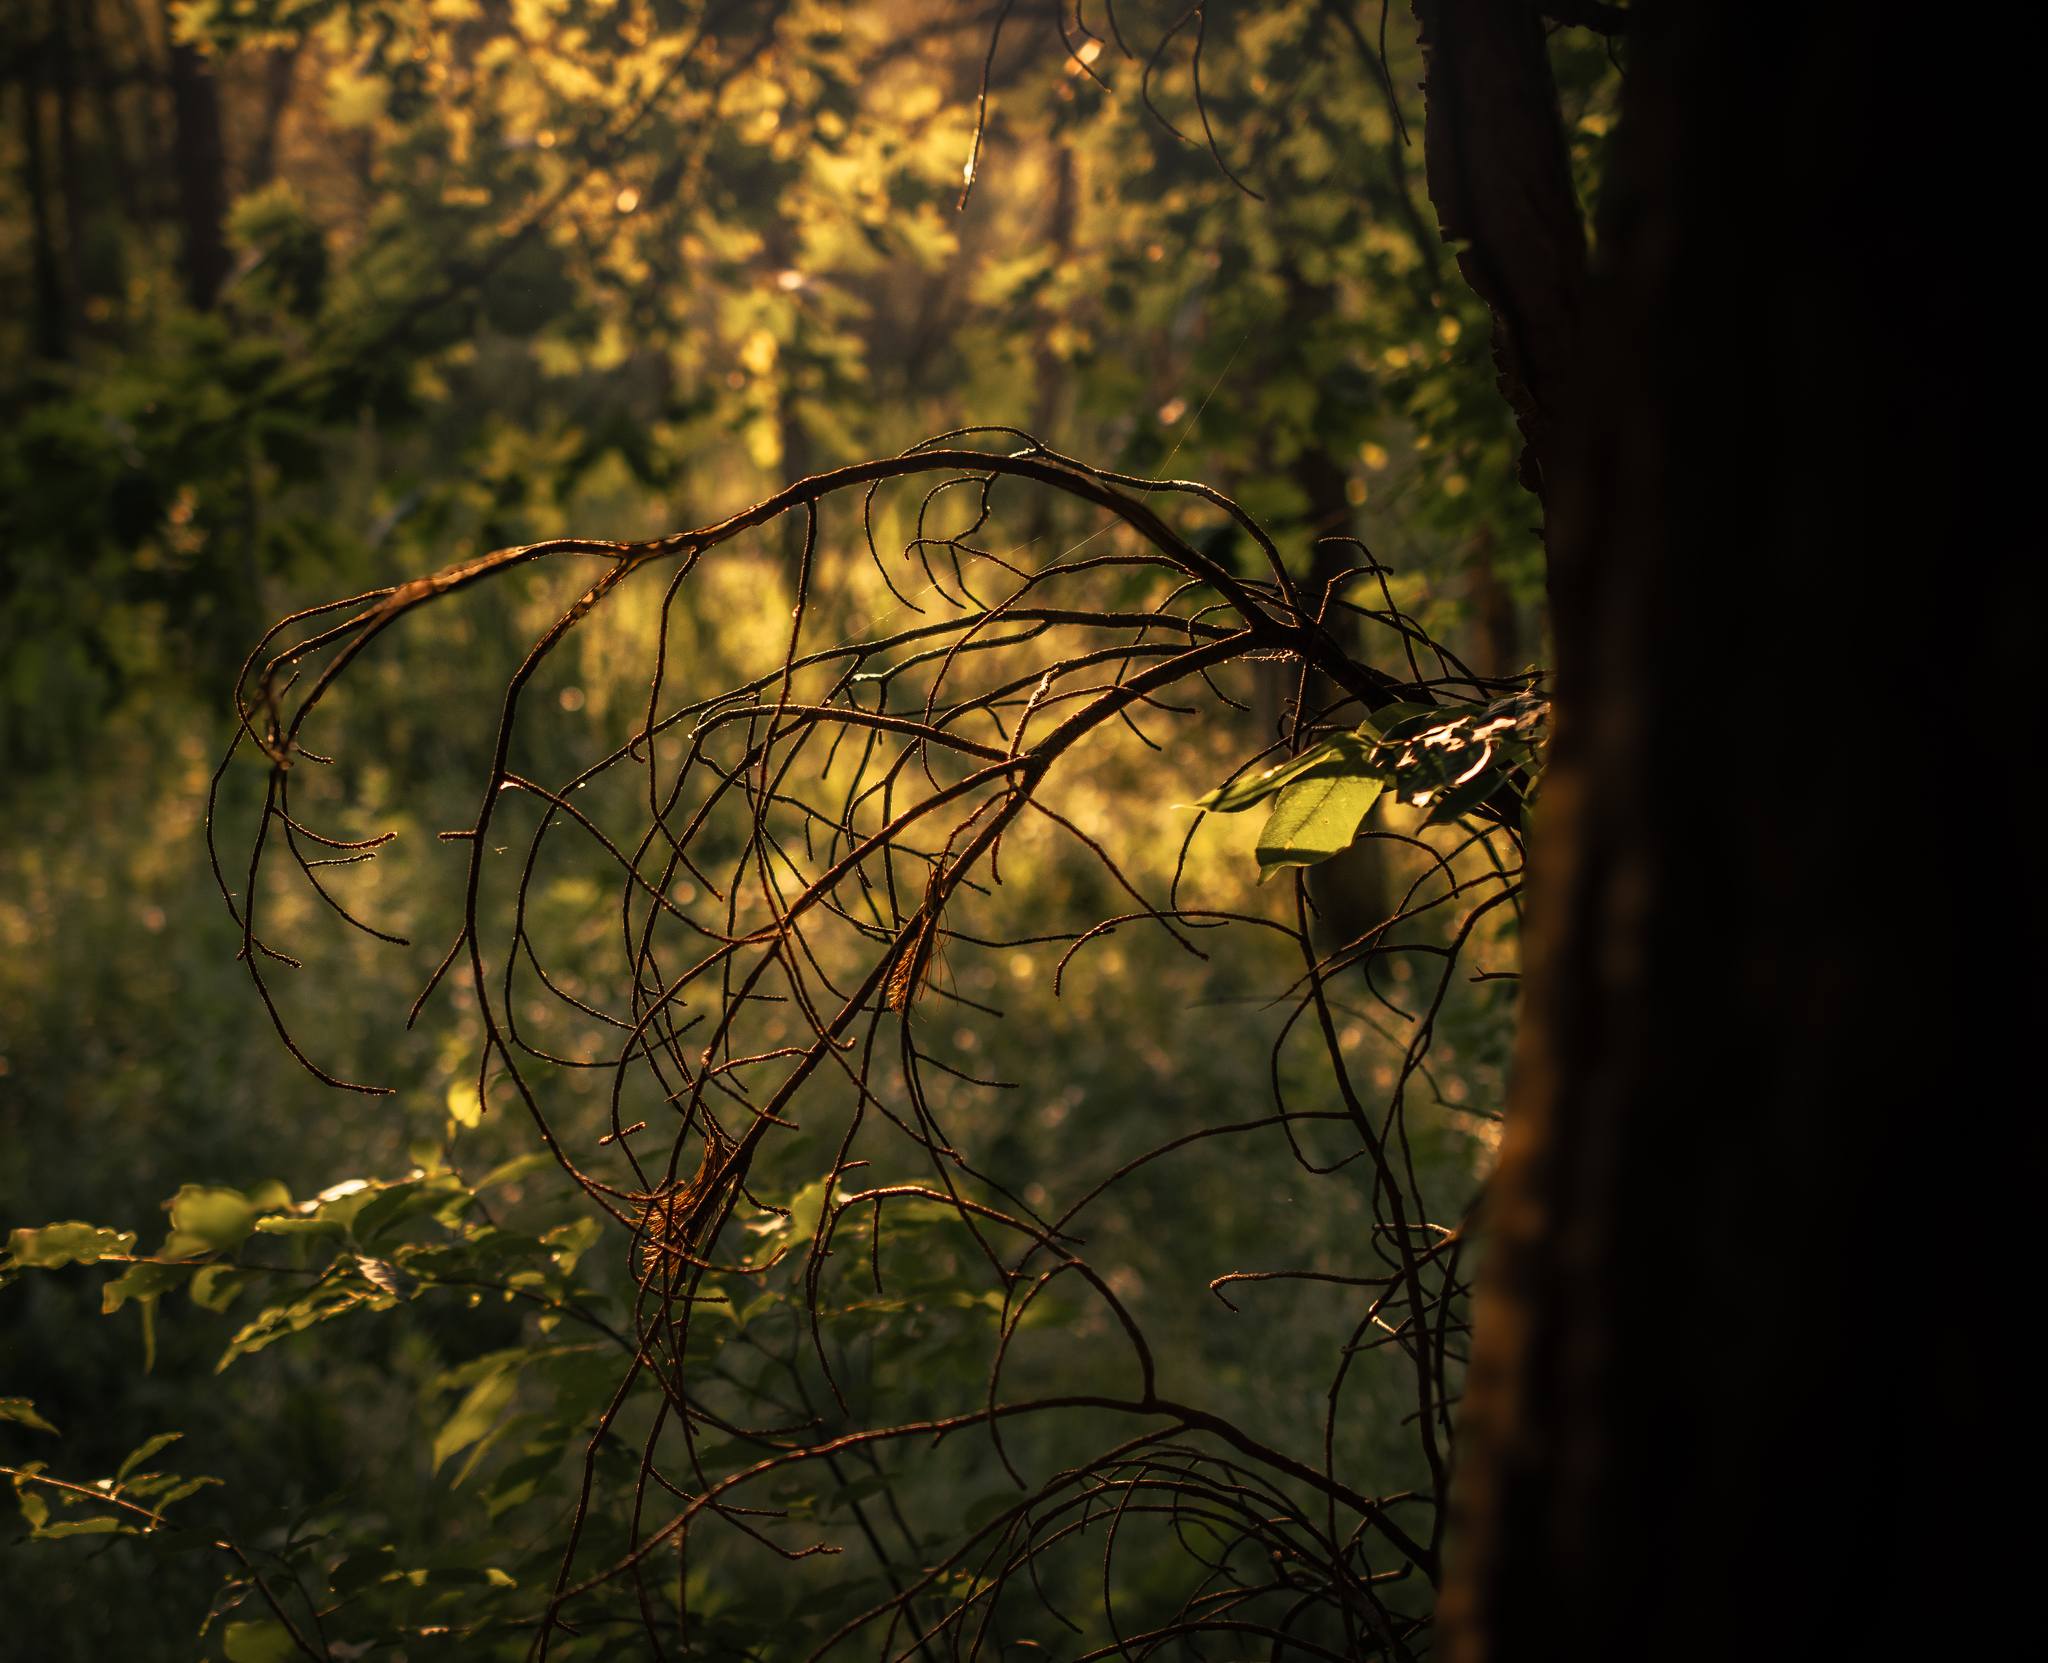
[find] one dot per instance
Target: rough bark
(1500, 180)
(1731, 1385)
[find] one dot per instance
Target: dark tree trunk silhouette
(1500, 180)
(200, 158)
(1728, 1392)
(101, 76)
(70, 158)
(52, 333)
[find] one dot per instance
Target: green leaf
(401, 1201)
(382, 1273)
(141, 1281)
(518, 1167)
(362, 1569)
(35, 1507)
(466, 1374)
(465, 1107)
(103, 1524)
(333, 1210)
(1464, 795)
(143, 1451)
(180, 1489)
(516, 1426)
(264, 1642)
(70, 1243)
(1394, 722)
(567, 1243)
(216, 1287)
(582, 1377)
(477, 1413)
(21, 1411)
(517, 1481)
(1443, 759)
(1341, 755)
(321, 1304)
(218, 1219)
(1313, 819)
(1447, 761)
(287, 1225)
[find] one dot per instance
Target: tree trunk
(280, 70)
(201, 162)
(1048, 369)
(52, 336)
(70, 158)
(1729, 1389)
(1496, 623)
(141, 70)
(1500, 181)
(113, 128)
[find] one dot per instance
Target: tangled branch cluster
(808, 850)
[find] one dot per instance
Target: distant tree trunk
(141, 67)
(1048, 369)
(70, 159)
(51, 334)
(280, 70)
(100, 73)
(1729, 1394)
(201, 161)
(1496, 624)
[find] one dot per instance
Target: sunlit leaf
(408, 1198)
(101, 1524)
(479, 1411)
(68, 1244)
(30, 1496)
(465, 1107)
(221, 1218)
(335, 1209)
(1314, 818)
(1341, 755)
(21, 1411)
(321, 1304)
(141, 1281)
(382, 1273)
(143, 1451)
(216, 1287)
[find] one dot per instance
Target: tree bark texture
(1733, 1378)
(1500, 180)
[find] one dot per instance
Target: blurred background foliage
(320, 294)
